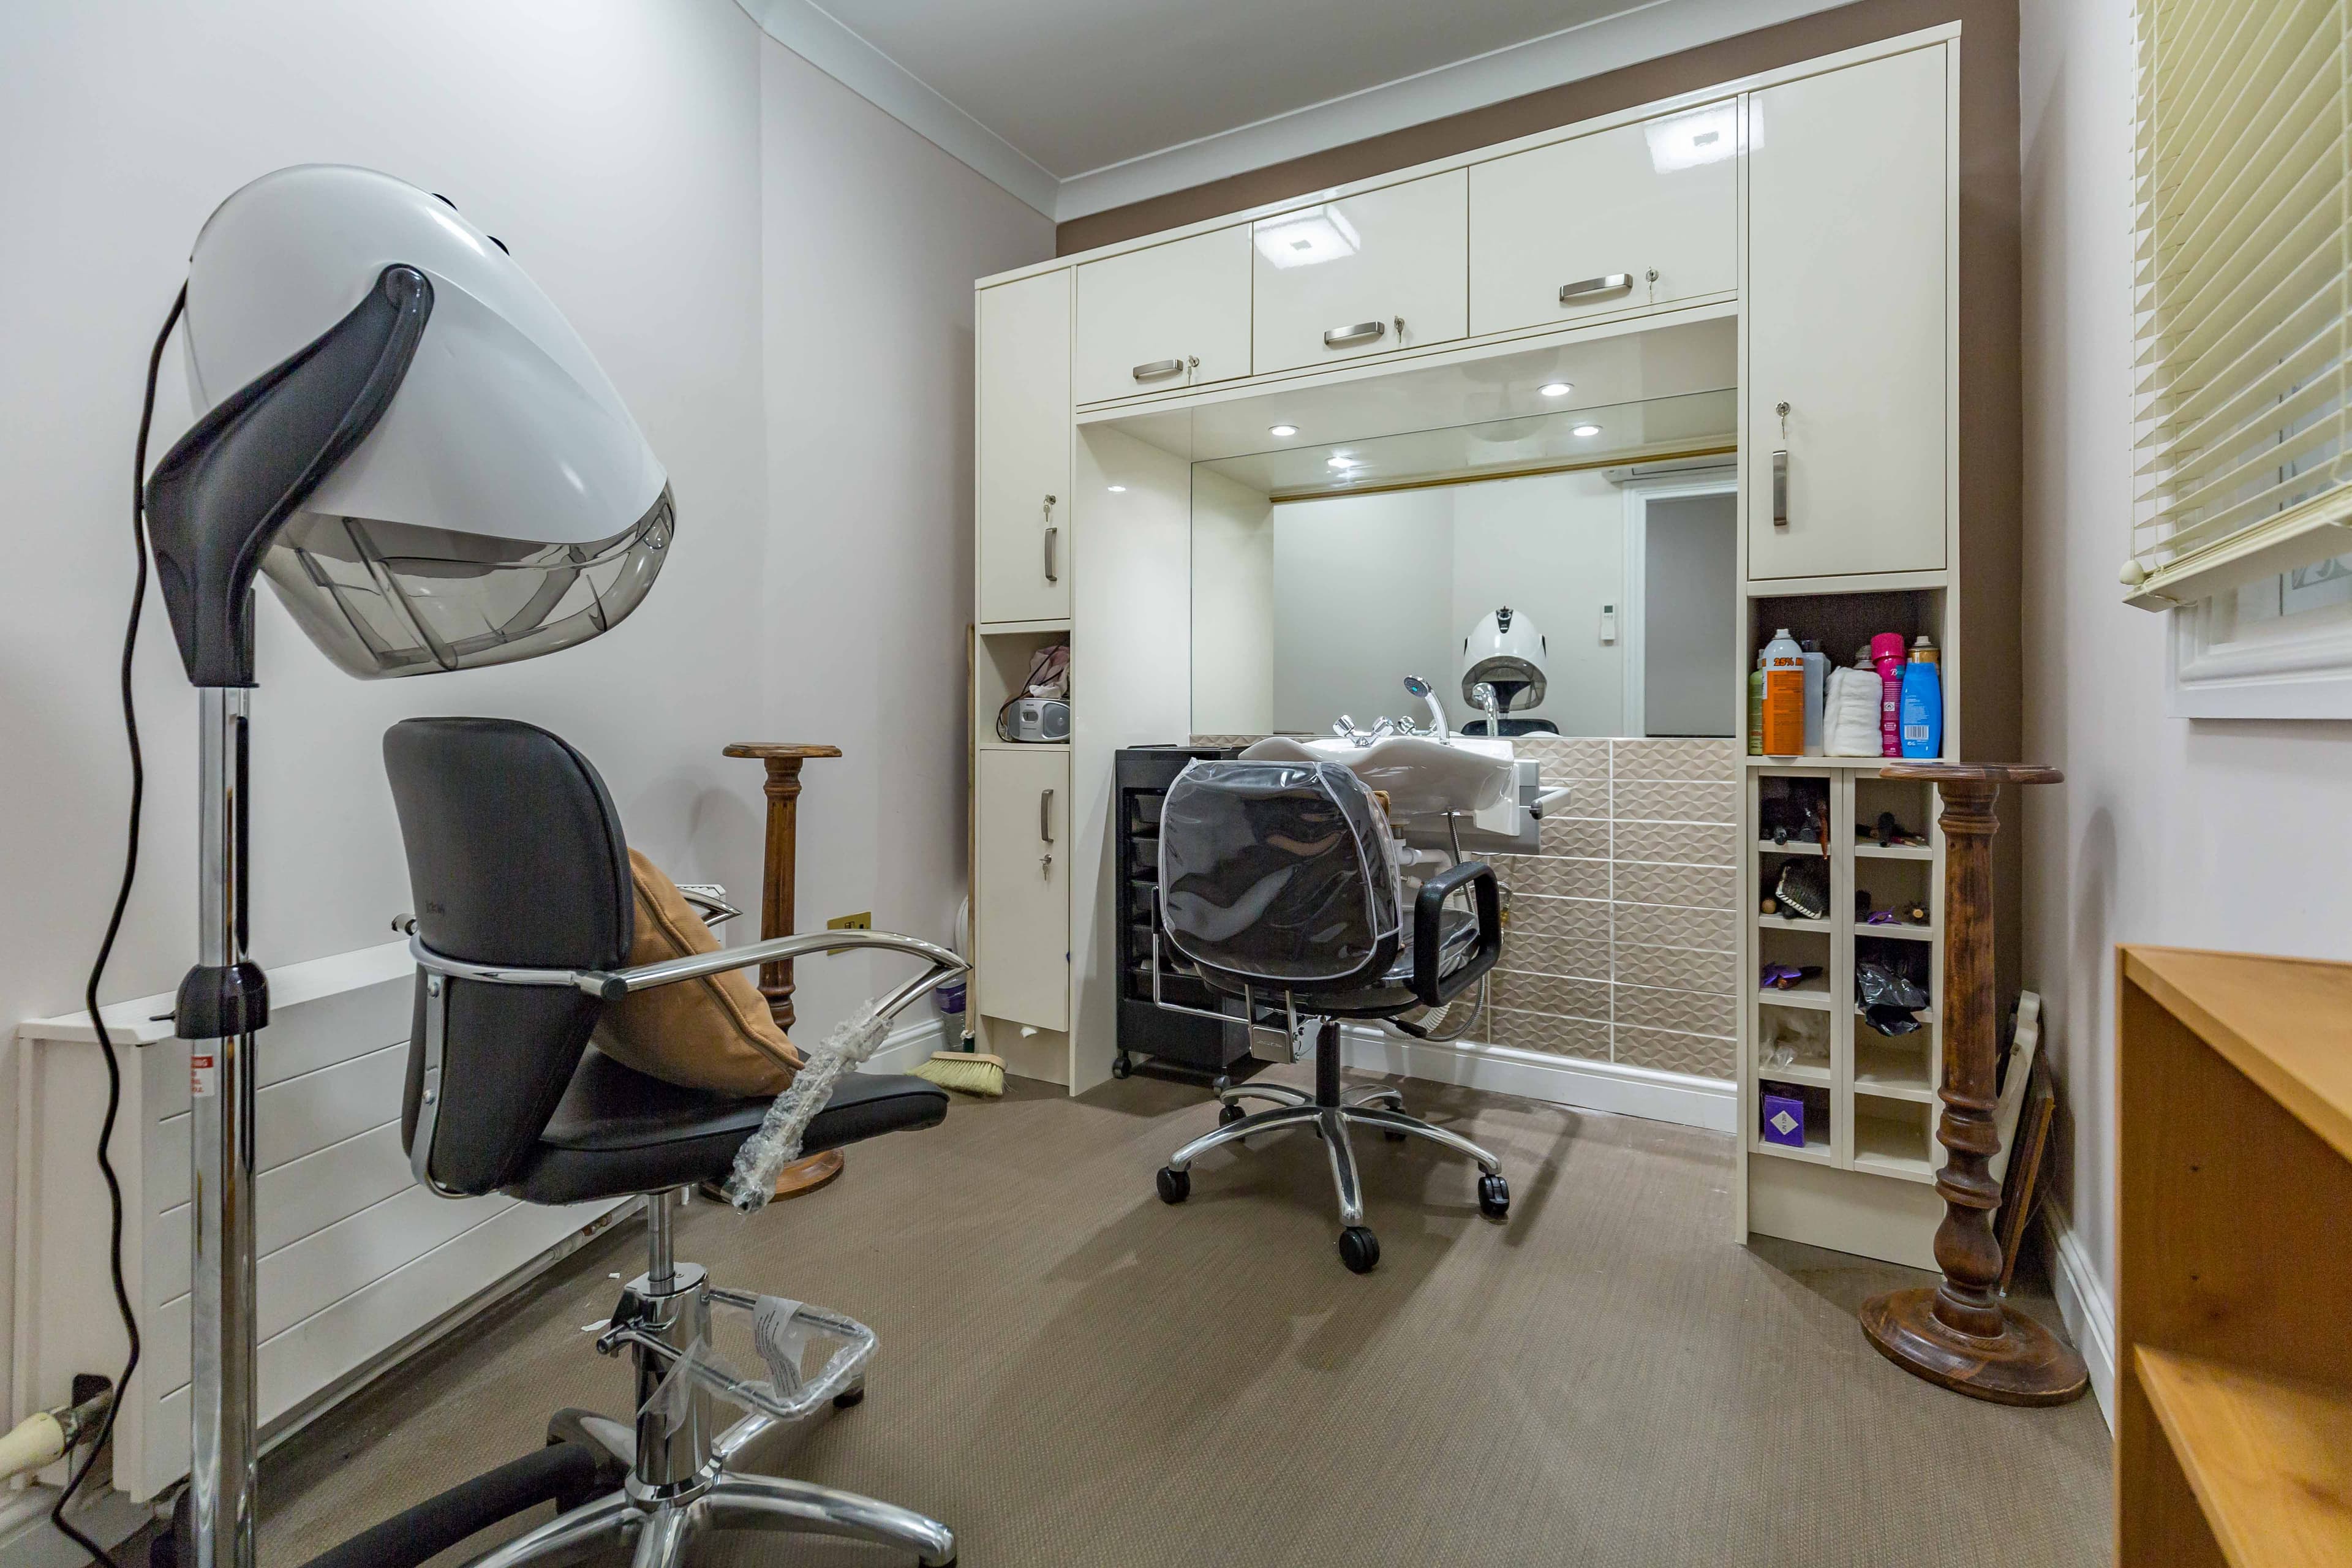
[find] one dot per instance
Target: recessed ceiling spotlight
(1585, 430)
(1119, 489)
(1556, 389)
(1282, 432)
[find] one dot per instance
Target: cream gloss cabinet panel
(1023, 454)
(1164, 318)
(1361, 275)
(1616, 222)
(1849, 290)
(1024, 957)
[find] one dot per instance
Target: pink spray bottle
(1886, 652)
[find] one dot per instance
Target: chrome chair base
(1331, 1110)
(682, 1478)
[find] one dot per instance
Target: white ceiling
(1080, 105)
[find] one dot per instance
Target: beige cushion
(714, 1032)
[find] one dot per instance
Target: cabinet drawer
(1175, 315)
(1024, 449)
(1847, 293)
(1642, 215)
(1024, 940)
(1400, 254)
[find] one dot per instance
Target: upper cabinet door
(1174, 316)
(1848, 293)
(1364, 275)
(1024, 449)
(1623, 220)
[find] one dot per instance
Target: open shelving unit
(2234, 1376)
(1863, 1181)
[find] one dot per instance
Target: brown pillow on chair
(713, 1032)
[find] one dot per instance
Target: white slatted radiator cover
(354, 1259)
(2242, 294)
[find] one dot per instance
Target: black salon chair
(1278, 886)
(524, 918)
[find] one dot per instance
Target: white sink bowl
(1468, 774)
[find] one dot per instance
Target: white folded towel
(1850, 714)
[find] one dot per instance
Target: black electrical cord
(105, 951)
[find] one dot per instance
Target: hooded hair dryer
(1505, 650)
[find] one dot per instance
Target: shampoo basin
(1421, 776)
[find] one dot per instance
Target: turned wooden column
(1960, 1333)
(783, 791)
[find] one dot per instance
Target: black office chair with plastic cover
(524, 918)
(1279, 884)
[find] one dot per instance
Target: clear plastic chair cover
(1279, 873)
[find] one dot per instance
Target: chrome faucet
(1483, 694)
(1427, 693)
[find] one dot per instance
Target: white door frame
(1639, 494)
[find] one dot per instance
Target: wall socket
(862, 921)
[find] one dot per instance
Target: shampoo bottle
(1784, 696)
(1886, 653)
(1923, 702)
(1817, 688)
(1755, 707)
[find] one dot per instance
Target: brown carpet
(1072, 1372)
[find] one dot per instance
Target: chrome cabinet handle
(1053, 572)
(1045, 815)
(1157, 368)
(1781, 487)
(1362, 332)
(1588, 287)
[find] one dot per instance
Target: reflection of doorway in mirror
(1681, 590)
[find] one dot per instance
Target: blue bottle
(1922, 713)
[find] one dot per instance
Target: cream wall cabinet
(1175, 315)
(1024, 449)
(1022, 961)
(1362, 275)
(1620, 221)
(1848, 304)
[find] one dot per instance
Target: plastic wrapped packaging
(777, 1143)
(1888, 999)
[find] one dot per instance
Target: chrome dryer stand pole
(222, 1001)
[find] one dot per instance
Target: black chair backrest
(1278, 876)
(515, 857)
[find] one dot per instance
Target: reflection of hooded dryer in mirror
(1506, 652)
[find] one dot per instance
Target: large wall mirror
(1582, 561)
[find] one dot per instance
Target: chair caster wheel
(1121, 1066)
(1494, 1197)
(1230, 1114)
(849, 1397)
(1360, 1250)
(1175, 1186)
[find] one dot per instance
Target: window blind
(2243, 212)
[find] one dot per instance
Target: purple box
(1784, 1119)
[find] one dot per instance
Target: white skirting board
(1711, 1103)
(2084, 1304)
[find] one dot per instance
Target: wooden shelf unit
(2233, 1431)
(1869, 1189)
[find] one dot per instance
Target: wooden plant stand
(783, 791)
(1960, 1333)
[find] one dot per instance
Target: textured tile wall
(1624, 929)
(1623, 936)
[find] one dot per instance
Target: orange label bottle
(1784, 697)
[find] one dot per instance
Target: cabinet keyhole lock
(1782, 410)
